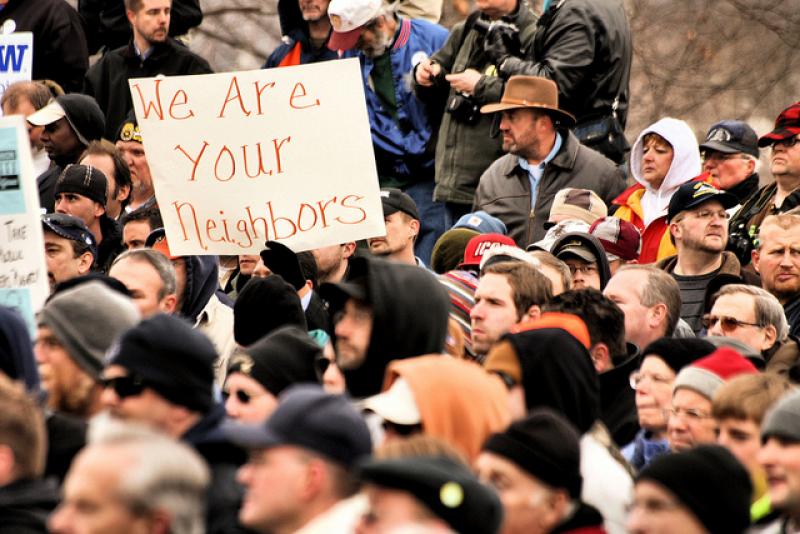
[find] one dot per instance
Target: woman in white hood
(664, 157)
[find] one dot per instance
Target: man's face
(79, 206)
(59, 141)
(780, 459)
(133, 154)
(526, 502)
(314, 10)
(151, 22)
(624, 290)
(741, 306)
(134, 234)
(654, 381)
(376, 39)
(729, 170)
(389, 510)
(67, 386)
(743, 438)
(248, 400)
(520, 131)
(494, 312)
(353, 326)
(60, 259)
(329, 260)
(247, 263)
(146, 407)
(785, 160)
(399, 235)
(264, 509)
(114, 198)
(585, 274)
(690, 423)
(702, 229)
(656, 510)
(777, 260)
(92, 502)
(656, 161)
(25, 108)
(145, 285)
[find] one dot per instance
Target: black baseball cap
(692, 194)
(71, 228)
(394, 200)
(731, 137)
(310, 418)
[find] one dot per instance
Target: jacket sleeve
(445, 57)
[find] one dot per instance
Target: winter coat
(25, 505)
(464, 151)
(747, 221)
(607, 479)
(46, 183)
(618, 399)
(295, 47)
(585, 520)
(110, 247)
(107, 80)
(642, 450)
(505, 189)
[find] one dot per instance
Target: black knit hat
(281, 358)
(84, 180)
(446, 487)
(709, 481)
(171, 358)
(264, 305)
(676, 352)
(545, 445)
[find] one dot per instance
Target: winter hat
(264, 305)
(479, 245)
(129, 129)
(620, 239)
(81, 111)
(710, 482)
(449, 249)
(786, 125)
(481, 222)
(173, 359)
(87, 319)
(581, 204)
(676, 352)
(755, 357)
(281, 358)
(545, 445)
(783, 420)
(707, 374)
(83, 180)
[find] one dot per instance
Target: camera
(464, 108)
(741, 245)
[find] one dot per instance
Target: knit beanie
(783, 420)
(707, 374)
(545, 445)
(281, 358)
(676, 352)
(449, 249)
(84, 115)
(87, 319)
(84, 180)
(171, 358)
(264, 305)
(709, 481)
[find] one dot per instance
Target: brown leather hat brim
(566, 118)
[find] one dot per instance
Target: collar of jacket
(564, 159)
(730, 264)
(159, 50)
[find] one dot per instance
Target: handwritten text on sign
(240, 158)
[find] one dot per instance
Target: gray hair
(157, 261)
(660, 288)
(767, 308)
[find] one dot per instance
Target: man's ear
(532, 313)
(85, 262)
(755, 257)
(168, 304)
(601, 357)
(414, 225)
(349, 249)
(123, 193)
(657, 314)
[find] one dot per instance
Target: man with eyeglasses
(730, 156)
(586, 258)
(698, 225)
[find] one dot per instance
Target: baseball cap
(47, 115)
(620, 239)
(81, 111)
(575, 247)
(581, 204)
(310, 418)
(394, 200)
(731, 137)
(348, 18)
(481, 222)
(694, 193)
(157, 240)
(786, 125)
(129, 129)
(396, 404)
(480, 244)
(71, 228)
(555, 232)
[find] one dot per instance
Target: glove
(501, 41)
(281, 260)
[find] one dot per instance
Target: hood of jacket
(410, 311)
(592, 243)
(557, 372)
(202, 281)
(291, 18)
(686, 164)
(16, 350)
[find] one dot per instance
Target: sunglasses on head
(124, 386)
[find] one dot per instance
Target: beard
(376, 49)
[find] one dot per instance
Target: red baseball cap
(480, 244)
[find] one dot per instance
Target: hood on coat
(16, 351)
(592, 243)
(202, 281)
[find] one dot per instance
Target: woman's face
(248, 401)
(654, 393)
(656, 161)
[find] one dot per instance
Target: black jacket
(317, 317)
(202, 282)
(110, 247)
(46, 182)
(107, 80)
(25, 505)
(16, 350)
(618, 399)
(59, 44)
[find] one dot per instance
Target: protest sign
(16, 58)
(278, 154)
(23, 274)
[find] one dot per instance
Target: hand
(501, 41)
(464, 81)
(281, 260)
(426, 72)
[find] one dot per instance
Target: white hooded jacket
(685, 165)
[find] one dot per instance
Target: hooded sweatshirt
(16, 351)
(592, 243)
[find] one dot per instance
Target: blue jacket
(403, 147)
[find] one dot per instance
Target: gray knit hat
(783, 420)
(87, 319)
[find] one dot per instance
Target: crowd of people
(559, 332)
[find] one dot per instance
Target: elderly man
(730, 156)
(150, 278)
(544, 156)
(25, 98)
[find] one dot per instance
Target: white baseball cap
(348, 18)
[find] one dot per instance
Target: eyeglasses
(637, 378)
(727, 323)
(690, 414)
(586, 269)
(124, 386)
(705, 215)
(787, 143)
(720, 156)
(321, 365)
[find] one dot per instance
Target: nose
(58, 520)
(476, 313)
(243, 474)
(709, 165)
(716, 330)
(60, 206)
(636, 521)
(231, 406)
(109, 398)
(766, 454)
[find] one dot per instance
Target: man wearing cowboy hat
(544, 156)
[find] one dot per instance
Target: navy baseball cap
(692, 194)
(71, 228)
(310, 418)
(731, 137)
(394, 200)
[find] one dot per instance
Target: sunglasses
(726, 323)
(124, 386)
(321, 365)
(401, 430)
(243, 396)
